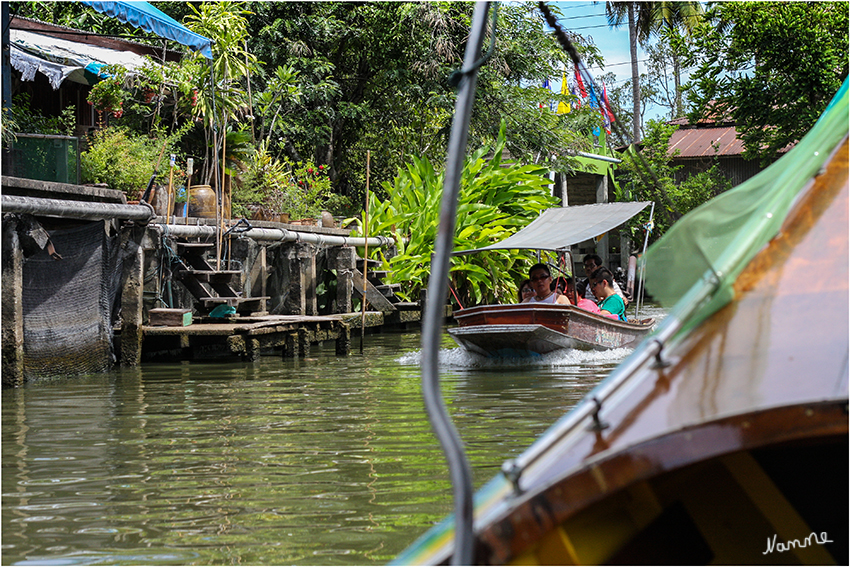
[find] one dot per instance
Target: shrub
(299, 189)
(124, 160)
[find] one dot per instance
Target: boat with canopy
(723, 438)
(533, 329)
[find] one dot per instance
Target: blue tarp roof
(143, 15)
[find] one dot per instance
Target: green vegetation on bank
(496, 199)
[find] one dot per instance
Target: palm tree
(645, 19)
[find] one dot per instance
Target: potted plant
(108, 96)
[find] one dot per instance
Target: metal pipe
(599, 157)
(642, 270)
(432, 324)
(87, 210)
(275, 234)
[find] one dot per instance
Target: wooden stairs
(212, 287)
(380, 296)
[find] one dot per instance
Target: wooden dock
(248, 337)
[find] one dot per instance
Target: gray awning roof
(557, 229)
(61, 59)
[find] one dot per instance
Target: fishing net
(716, 241)
(67, 303)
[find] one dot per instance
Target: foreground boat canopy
(560, 228)
(717, 240)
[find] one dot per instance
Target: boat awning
(60, 59)
(560, 228)
(144, 16)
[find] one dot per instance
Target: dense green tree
(772, 66)
(672, 198)
(646, 19)
(374, 76)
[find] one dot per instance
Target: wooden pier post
(343, 341)
(12, 305)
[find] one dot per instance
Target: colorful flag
(607, 104)
(546, 86)
(564, 107)
(580, 84)
(574, 92)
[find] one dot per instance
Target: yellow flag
(564, 107)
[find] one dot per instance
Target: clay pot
(201, 202)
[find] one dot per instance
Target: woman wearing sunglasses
(541, 281)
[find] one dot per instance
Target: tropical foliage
(299, 189)
(496, 199)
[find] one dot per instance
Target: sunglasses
(539, 278)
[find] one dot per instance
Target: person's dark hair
(581, 288)
(561, 283)
(596, 259)
(603, 273)
(522, 284)
(540, 266)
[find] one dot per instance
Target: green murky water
(324, 461)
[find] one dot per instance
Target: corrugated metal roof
(706, 142)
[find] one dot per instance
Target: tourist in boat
(541, 281)
(525, 290)
(581, 289)
(593, 262)
(565, 286)
(610, 304)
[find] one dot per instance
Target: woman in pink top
(586, 304)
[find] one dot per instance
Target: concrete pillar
(559, 189)
(343, 342)
(343, 263)
(301, 296)
(12, 305)
(131, 304)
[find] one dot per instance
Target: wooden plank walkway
(247, 337)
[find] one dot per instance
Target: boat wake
(461, 358)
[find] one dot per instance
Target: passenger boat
(534, 329)
(723, 438)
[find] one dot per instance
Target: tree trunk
(677, 81)
(635, 76)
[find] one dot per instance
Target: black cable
(643, 168)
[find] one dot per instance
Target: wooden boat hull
(730, 447)
(528, 330)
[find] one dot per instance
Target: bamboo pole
(365, 253)
(169, 200)
(190, 169)
(219, 212)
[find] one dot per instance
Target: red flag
(580, 84)
(607, 104)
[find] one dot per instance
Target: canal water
(321, 461)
